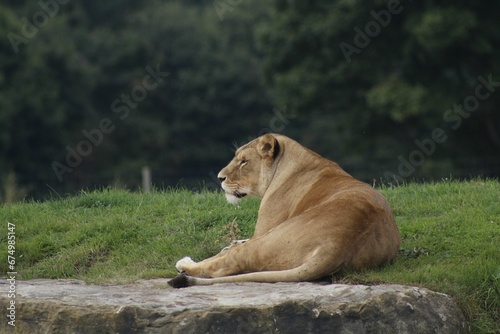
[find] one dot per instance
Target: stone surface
(69, 306)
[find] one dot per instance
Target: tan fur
(314, 218)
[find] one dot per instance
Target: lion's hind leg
(271, 258)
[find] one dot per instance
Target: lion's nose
(221, 177)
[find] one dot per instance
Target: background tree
(387, 72)
(82, 63)
(360, 82)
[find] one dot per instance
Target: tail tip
(180, 281)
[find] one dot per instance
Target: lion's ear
(268, 146)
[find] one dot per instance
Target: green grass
(118, 236)
(450, 238)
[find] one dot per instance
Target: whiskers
(235, 147)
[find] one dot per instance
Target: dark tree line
(412, 85)
(92, 91)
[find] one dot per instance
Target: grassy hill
(450, 238)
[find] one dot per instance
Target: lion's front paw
(183, 264)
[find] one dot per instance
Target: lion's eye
(243, 162)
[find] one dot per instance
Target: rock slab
(150, 306)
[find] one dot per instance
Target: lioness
(314, 219)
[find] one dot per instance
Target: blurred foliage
(388, 72)
(228, 71)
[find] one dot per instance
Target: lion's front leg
(223, 264)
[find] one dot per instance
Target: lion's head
(251, 169)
